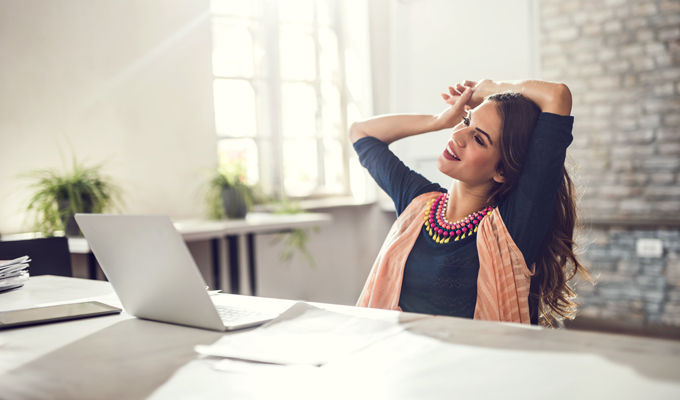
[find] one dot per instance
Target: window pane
(234, 107)
(296, 11)
(324, 9)
(353, 75)
(333, 165)
(331, 109)
(353, 114)
(328, 59)
(299, 109)
(297, 55)
(232, 50)
(299, 166)
(242, 153)
(239, 8)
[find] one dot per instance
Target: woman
(495, 245)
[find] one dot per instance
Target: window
(279, 90)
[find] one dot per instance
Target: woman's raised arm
(551, 97)
(390, 128)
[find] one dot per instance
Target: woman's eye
(466, 121)
(478, 140)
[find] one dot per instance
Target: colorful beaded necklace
(442, 230)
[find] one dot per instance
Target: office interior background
(162, 91)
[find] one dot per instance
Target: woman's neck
(465, 200)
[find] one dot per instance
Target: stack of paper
(303, 335)
(13, 273)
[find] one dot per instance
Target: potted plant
(228, 195)
(59, 196)
(296, 239)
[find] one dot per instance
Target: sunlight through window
(279, 105)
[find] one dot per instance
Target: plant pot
(71, 228)
(234, 204)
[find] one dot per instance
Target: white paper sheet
(303, 335)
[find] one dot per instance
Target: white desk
(230, 230)
(120, 357)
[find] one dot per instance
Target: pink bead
(458, 232)
(464, 230)
(479, 218)
(476, 222)
(470, 226)
(483, 213)
(439, 231)
(446, 234)
(431, 220)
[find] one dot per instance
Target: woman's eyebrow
(479, 130)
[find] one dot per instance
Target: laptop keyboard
(230, 315)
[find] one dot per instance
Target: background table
(120, 357)
(229, 230)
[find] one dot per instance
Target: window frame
(267, 89)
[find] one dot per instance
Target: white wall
(125, 81)
(437, 43)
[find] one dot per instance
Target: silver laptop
(154, 275)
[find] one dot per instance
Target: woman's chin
(443, 166)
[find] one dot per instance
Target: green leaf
(84, 188)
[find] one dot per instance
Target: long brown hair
(556, 261)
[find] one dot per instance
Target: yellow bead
(476, 228)
(447, 240)
(456, 239)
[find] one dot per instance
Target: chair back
(49, 256)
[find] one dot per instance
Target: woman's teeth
(451, 152)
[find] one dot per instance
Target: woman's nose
(459, 137)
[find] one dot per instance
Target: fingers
(464, 96)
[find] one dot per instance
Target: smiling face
(473, 152)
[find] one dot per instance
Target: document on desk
(303, 335)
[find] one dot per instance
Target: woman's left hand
(452, 115)
(480, 90)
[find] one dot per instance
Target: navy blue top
(442, 279)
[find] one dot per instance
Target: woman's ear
(499, 178)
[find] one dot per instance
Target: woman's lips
(449, 154)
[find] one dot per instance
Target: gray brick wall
(637, 290)
(621, 60)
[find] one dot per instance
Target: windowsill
(333, 202)
(324, 203)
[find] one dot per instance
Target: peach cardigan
(502, 284)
